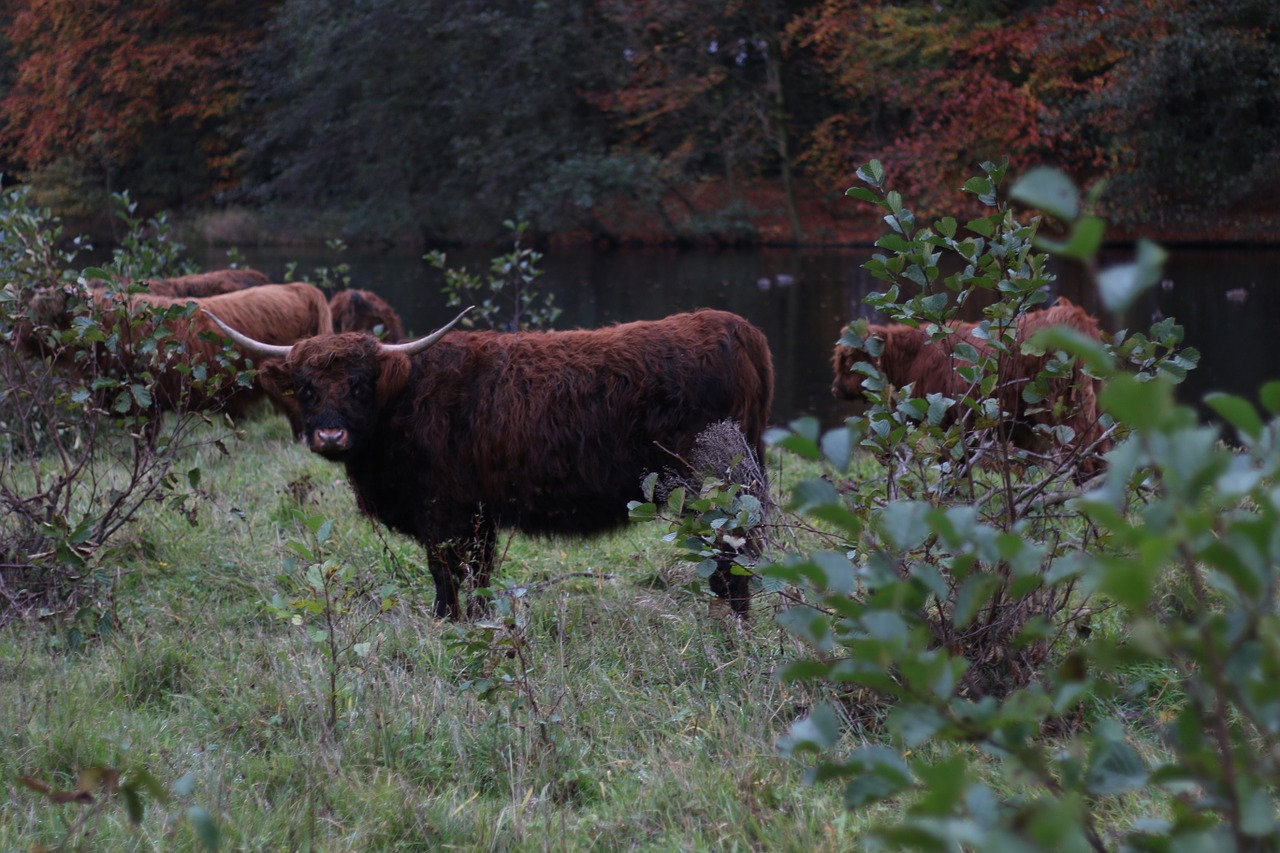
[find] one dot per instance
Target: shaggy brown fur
(365, 311)
(909, 357)
(549, 433)
(278, 313)
(210, 283)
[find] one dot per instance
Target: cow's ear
(275, 378)
(393, 373)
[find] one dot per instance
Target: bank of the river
(712, 214)
(707, 214)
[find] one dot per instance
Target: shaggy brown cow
(278, 313)
(210, 283)
(282, 313)
(365, 311)
(909, 357)
(453, 436)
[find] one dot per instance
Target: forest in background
(634, 120)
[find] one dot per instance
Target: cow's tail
(754, 398)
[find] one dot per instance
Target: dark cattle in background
(365, 311)
(283, 313)
(278, 313)
(210, 283)
(909, 357)
(453, 436)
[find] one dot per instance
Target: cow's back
(552, 432)
(272, 313)
(210, 283)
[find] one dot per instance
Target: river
(1225, 299)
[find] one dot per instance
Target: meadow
(637, 718)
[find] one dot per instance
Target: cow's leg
(441, 561)
(735, 589)
(462, 564)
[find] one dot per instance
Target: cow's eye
(306, 392)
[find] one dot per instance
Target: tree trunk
(781, 139)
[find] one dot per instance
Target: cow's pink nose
(329, 439)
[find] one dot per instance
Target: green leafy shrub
(498, 659)
(501, 665)
(147, 249)
(329, 279)
(326, 598)
(83, 440)
(716, 504)
(997, 632)
(508, 298)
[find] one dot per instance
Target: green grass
(644, 721)
(658, 720)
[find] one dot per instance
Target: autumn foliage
(578, 115)
(100, 81)
(929, 94)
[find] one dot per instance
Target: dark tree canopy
(422, 116)
(1195, 108)
(436, 119)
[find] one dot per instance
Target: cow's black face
(338, 406)
(334, 381)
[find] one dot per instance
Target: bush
(997, 619)
(509, 299)
(82, 437)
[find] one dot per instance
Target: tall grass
(655, 722)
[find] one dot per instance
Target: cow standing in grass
(909, 357)
(276, 313)
(454, 436)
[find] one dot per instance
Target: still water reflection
(1227, 300)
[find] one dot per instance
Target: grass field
(623, 714)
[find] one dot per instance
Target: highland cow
(365, 311)
(909, 357)
(458, 434)
(278, 313)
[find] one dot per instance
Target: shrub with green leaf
(329, 279)
(326, 596)
(717, 506)
(998, 621)
(509, 297)
(83, 440)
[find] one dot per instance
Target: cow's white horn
(411, 347)
(249, 344)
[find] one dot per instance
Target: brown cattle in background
(365, 311)
(279, 313)
(210, 283)
(285, 313)
(908, 357)
(454, 436)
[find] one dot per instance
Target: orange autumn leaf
(93, 80)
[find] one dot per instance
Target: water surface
(1226, 299)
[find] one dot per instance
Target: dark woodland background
(621, 121)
